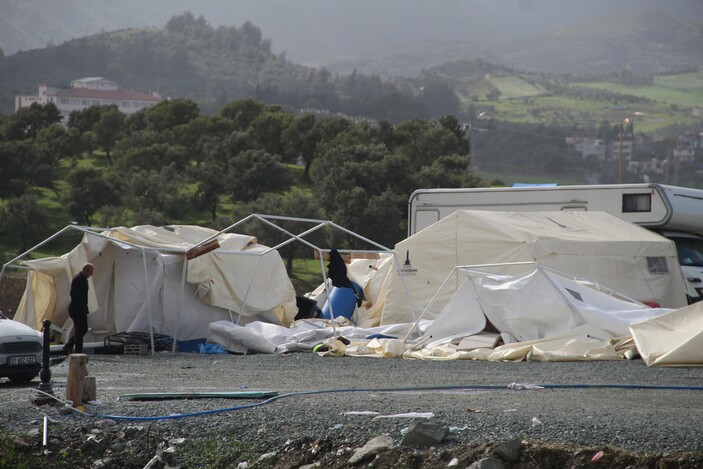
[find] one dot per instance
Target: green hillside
(515, 87)
(683, 89)
(189, 58)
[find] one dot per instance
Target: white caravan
(674, 212)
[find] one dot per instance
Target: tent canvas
(222, 276)
(672, 339)
(598, 246)
(144, 282)
(534, 304)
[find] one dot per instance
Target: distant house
(686, 146)
(624, 149)
(86, 92)
(590, 147)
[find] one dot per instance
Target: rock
(266, 456)
(487, 463)
(372, 447)
(509, 450)
(105, 463)
(310, 466)
(424, 433)
(95, 446)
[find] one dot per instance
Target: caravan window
(636, 203)
(690, 251)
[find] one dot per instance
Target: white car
(20, 351)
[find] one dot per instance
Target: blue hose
(425, 388)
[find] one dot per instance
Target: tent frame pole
(293, 237)
(180, 303)
(148, 300)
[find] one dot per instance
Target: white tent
(597, 246)
(172, 281)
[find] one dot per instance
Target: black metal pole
(45, 373)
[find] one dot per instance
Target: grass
(674, 100)
(12, 453)
(684, 89)
(515, 87)
(307, 275)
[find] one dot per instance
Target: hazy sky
(315, 30)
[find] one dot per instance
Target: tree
(425, 141)
(445, 171)
(108, 130)
(62, 142)
(211, 185)
(24, 217)
(300, 139)
(157, 191)
(88, 192)
(201, 135)
(242, 113)
(22, 165)
(266, 131)
(254, 172)
(439, 99)
(170, 113)
(493, 95)
(451, 123)
(348, 178)
(83, 120)
(146, 151)
(28, 121)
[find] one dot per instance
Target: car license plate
(24, 360)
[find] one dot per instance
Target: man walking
(78, 309)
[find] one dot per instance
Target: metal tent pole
(180, 303)
(148, 300)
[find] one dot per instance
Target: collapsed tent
(150, 279)
(565, 317)
(672, 339)
(537, 313)
(597, 246)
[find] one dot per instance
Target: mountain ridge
(661, 43)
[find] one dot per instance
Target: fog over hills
(322, 32)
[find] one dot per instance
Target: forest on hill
(189, 58)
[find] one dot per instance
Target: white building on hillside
(86, 92)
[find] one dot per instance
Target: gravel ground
(293, 430)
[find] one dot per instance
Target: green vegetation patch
(515, 87)
(682, 89)
(691, 82)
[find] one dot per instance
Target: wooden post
(77, 372)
